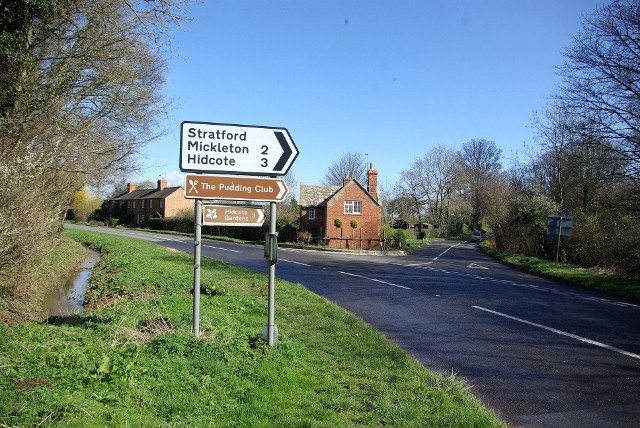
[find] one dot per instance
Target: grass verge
(595, 279)
(132, 361)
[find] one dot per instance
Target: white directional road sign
(219, 148)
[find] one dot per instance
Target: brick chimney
(372, 182)
(162, 184)
(130, 187)
(346, 180)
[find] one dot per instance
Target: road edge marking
(563, 333)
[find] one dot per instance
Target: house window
(312, 213)
(143, 203)
(134, 204)
(352, 207)
(161, 202)
(150, 203)
(128, 204)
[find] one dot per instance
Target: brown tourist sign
(223, 187)
(232, 215)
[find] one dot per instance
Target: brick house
(137, 206)
(320, 206)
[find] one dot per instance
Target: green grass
(595, 279)
(415, 244)
(132, 360)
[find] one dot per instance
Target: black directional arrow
(287, 152)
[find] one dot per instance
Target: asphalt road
(540, 352)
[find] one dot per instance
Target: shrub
(400, 238)
(157, 224)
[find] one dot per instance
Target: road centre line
(436, 257)
(563, 333)
(447, 250)
(297, 263)
(220, 248)
(531, 286)
(375, 280)
(172, 239)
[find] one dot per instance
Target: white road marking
(416, 264)
(220, 248)
(563, 333)
(171, 239)
(532, 286)
(297, 263)
(375, 280)
(476, 266)
(436, 257)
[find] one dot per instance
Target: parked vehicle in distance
(477, 236)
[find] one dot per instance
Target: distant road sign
(559, 225)
(225, 187)
(220, 148)
(232, 215)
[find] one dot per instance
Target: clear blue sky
(387, 78)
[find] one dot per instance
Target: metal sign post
(271, 254)
(558, 226)
(197, 247)
(558, 246)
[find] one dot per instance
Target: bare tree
(80, 95)
(601, 81)
(555, 133)
(480, 162)
(413, 190)
(431, 181)
(351, 164)
(292, 183)
(571, 166)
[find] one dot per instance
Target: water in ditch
(68, 298)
